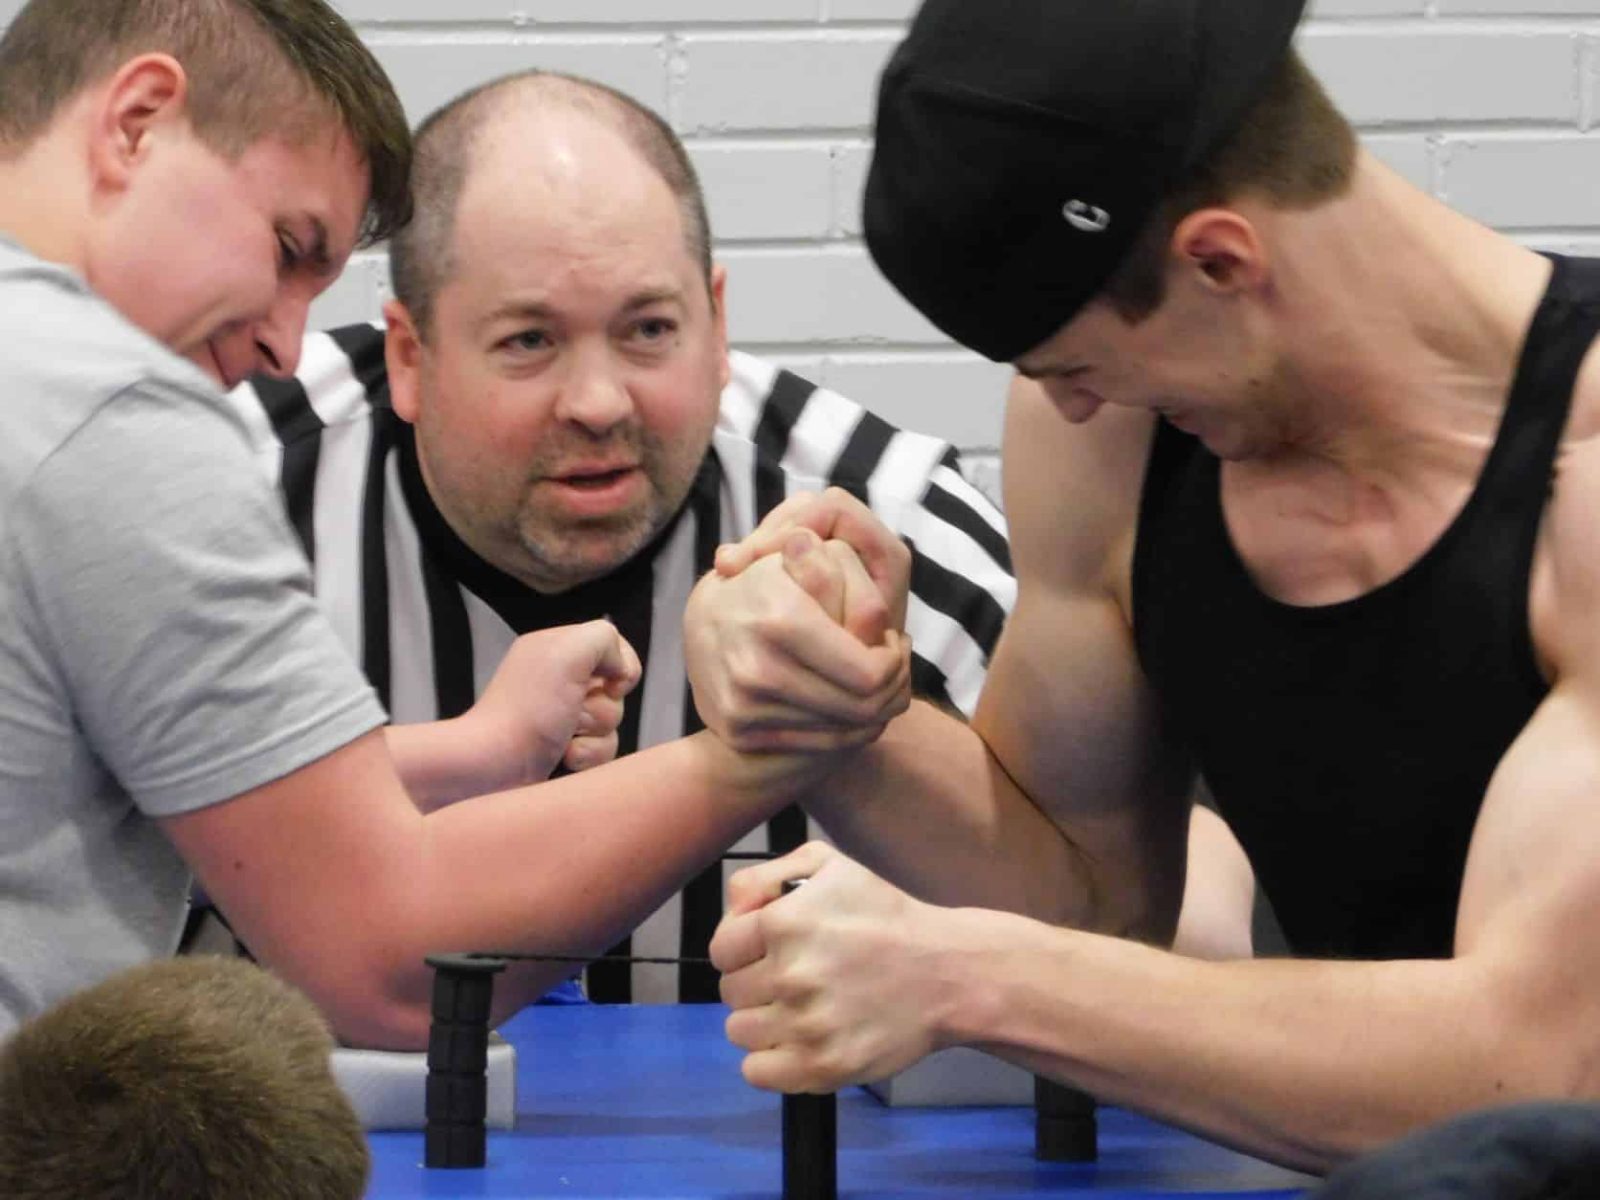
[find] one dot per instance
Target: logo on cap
(1086, 217)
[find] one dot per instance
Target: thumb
(611, 659)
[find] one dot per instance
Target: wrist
(974, 957)
(772, 778)
(491, 759)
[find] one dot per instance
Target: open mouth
(597, 480)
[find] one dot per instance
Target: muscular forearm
(1303, 1062)
(927, 807)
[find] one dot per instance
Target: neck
(39, 203)
(1405, 321)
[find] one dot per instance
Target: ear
(402, 354)
(144, 93)
(1223, 250)
(719, 315)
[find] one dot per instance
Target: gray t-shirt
(159, 647)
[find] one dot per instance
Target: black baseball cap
(1021, 145)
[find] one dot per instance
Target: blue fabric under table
(646, 1101)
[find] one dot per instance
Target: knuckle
(747, 678)
(828, 1063)
(775, 622)
(810, 1027)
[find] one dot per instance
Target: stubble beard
(559, 555)
(560, 552)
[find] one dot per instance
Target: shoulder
(1565, 589)
(69, 349)
(74, 364)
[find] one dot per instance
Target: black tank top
(1349, 745)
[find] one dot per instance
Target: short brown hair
(420, 259)
(200, 1077)
(1292, 147)
(249, 62)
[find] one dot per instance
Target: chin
(1235, 447)
(208, 363)
(569, 558)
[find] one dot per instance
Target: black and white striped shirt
(430, 621)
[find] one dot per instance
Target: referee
(554, 430)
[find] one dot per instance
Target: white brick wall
(1490, 104)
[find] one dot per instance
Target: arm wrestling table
(646, 1101)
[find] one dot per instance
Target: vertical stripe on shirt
(782, 409)
(375, 571)
(298, 429)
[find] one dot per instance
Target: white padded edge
(388, 1089)
(957, 1076)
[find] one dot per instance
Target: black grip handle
(458, 1057)
(810, 1138)
(1064, 1124)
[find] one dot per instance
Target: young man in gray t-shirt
(169, 697)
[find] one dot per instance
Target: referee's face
(566, 391)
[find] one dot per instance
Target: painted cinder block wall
(1489, 104)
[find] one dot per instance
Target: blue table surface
(647, 1101)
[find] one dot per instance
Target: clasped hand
(795, 641)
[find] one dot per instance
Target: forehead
(566, 193)
(320, 176)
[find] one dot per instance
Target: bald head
(561, 126)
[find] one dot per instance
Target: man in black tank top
(1330, 542)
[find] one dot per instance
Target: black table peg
(1064, 1125)
(458, 1057)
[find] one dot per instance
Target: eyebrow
(645, 299)
(317, 253)
(545, 310)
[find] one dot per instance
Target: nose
(279, 334)
(1076, 404)
(595, 392)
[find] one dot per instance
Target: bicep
(305, 868)
(1530, 897)
(177, 609)
(1066, 709)
(1068, 714)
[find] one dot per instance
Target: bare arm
(1065, 785)
(1310, 1062)
(1305, 1062)
(556, 697)
(335, 878)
